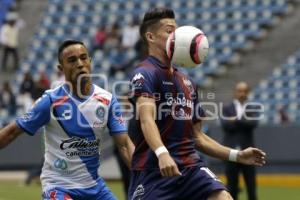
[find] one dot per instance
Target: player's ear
(59, 67)
(149, 36)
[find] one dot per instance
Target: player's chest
(175, 88)
(82, 117)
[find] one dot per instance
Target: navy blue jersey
(177, 110)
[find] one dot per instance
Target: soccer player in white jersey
(74, 115)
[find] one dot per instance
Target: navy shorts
(196, 183)
(98, 192)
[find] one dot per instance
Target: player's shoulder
(55, 93)
(144, 70)
(103, 94)
(54, 90)
(145, 66)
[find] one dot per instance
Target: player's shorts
(196, 183)
(100, 191)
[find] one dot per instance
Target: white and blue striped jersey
(72, 134)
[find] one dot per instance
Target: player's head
(74, 60)
(156, 26)
(241, 91)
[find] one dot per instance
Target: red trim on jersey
(188, 126)
(60, 101)
(53, 195)
(67, 197)
(102, 99)
(143, 157)
(186, 160)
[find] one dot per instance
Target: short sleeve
(142, 83)
(36, 117)
(116, 122)
(199, 113)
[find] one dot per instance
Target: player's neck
(161, 56)
(82, 91)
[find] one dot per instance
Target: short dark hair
(153, 16)
(64, 45)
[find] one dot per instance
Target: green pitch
(17, 191)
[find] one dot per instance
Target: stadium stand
(280, 93)
(228, 24)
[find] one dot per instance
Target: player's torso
(174, 94)
(72, 139)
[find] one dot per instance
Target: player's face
(165, 28)
(75, 62)
(241, 92)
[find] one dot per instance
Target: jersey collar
(77, 99)
(156, 62)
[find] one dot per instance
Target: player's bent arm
(209, 146)
(146, 110)
(125, 147)
(9, 133)
(249, 156)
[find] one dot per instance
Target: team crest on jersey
(60, 164)
(188, 84)
(100, 113)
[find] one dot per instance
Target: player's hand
(167, 166)
(252, 156)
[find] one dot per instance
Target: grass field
(17, 191)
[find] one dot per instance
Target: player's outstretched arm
(249, 156)
(8, 134)
(146, 110)
(125, 147)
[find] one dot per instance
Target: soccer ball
(187, 46)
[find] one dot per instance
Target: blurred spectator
(9, 34)
(25, 101)
(9, 40)
(100, 38)
(118, 60)
(41, 85)
(113, 38)
(8, 99)
(27, 85)
(58, 79)
(284, 118)
(140, 49)
(130, 34)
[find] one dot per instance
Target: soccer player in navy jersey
(74, 115)
(166, 128)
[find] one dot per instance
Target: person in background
(130, 34)
(9, 39)
(41, 85)
(100, 38)
(238, 124)
(8, 99)
(27, 85)
(113, 38)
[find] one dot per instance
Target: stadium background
(252, 40)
